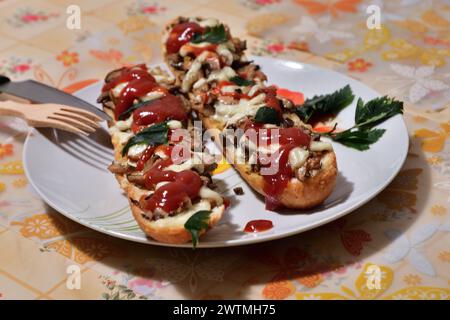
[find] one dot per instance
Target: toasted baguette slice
(167, 228)
(203, 69)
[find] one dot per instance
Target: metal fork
(52, 115)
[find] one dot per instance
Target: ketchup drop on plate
(258, 225)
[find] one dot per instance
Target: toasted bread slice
(203, 69)
(167, 227)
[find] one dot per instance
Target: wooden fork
(51, 115)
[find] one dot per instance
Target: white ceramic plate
(69, 172)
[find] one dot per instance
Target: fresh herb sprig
(241, 81)
(325, 104)
(267, 115)
(136, 106)
(155, 135)
(215, 35)
(367, 115)
(197, 223)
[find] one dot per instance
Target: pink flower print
(275, 48)
(21, 68)
(143, 286)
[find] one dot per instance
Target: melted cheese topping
(224, 50)
(182, 217)
(320, 146)
(200, 82)
(185, 49)
(121, 125)
(137, 150)
(194, 162)
(255, 88)
(207, 193)
(221, 75)
(118, 89)
(298, 157)
(174, 124)
(232, 113)
(210, 22)
(122, 137)
(152, 95)
(193, 74)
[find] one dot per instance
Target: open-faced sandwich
(168, 189)
(228, 92)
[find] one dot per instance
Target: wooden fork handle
(11, 108)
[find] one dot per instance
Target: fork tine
(66, 127)
(73, 123)
(84, 113)
(82, 119)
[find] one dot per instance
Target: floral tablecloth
(405, 231)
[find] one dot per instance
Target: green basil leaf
(241, 81)
(155, 135)
(325, 104)
(376, 111)
(136, 106)
(358, 139)
(216, 35)
(196, 223)
(267, 115)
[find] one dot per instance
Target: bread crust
(172, 233)
(297, 194)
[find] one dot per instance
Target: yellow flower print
(402, 49)
(412, 279)
(134, 24)
(420, 293)
(264, 22)
(438, 210)
(91, 249)
(13, 167)
(433, 19)
(433, 141)
(41, 226)
(435, 160)
(82, 250)
(343, 55)
(444, 256)
(2, 187)
(413, 26)
(373, 39)
(387, 275)
(20, 183)
(362, 290)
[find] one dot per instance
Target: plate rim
(236, 242)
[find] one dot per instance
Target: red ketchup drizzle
(181, 34)
(140, 82)
(271, 98)
(167, 107)
(199, 50)
(288, 139)
(146, 155)
(169, 197)
(236, 95)
(258, 225)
